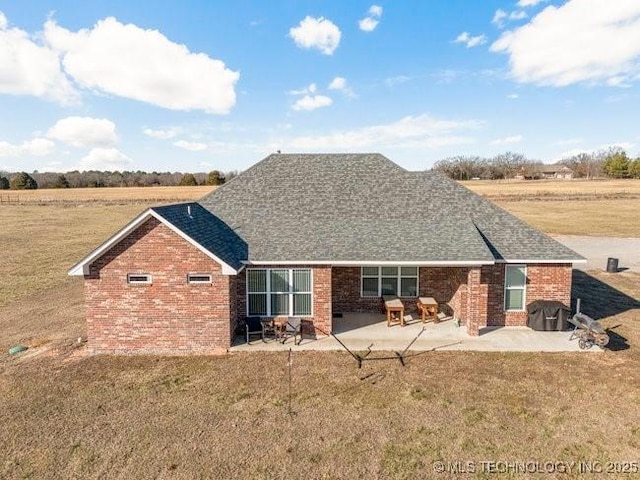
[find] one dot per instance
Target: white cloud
(161, 134)
(375, 11)
(501, 17)
(104, 159)
(569, 141)
(620, 97)
(84, 132)
(414, 131)
(312, 88)
(447, 76)
(506, 140)
(528, 3)
(580, 41)
(312, 102)
(191, 146)
(397, 80)
(29, 68)
(513, 96)
(38, 147)
(340, 84)
(470, 41)
(51, 166)
(618, 81)
(370, 22)
(131, 62)
(319, 33)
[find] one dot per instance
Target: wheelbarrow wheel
(584, 344)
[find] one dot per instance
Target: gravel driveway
(598, 249)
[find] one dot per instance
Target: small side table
(428, 308)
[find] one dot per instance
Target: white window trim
(399, 277)
(268, 291)
(190, 279)
(148, 281)
(524, 288)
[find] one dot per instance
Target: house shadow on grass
(600, 300)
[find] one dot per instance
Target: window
(515, 284)
(198, 278)
(139, 278)
(279, 291)
(378, 281)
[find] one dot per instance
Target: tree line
(612, 162)
(96, 179)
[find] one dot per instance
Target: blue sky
(198, 85)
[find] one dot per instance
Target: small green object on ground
(17, 349)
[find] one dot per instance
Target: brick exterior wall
(447, 285)
(168, 317)
(544, 282)
(171, 316)
(345, 287)
(473, 294)
(322, 312)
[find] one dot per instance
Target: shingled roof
(206, 230)
(193, 223)
(363, 208)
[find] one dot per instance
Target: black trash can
(612, 265)
(547, 315)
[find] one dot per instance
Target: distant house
(313, 236)
(556, 171)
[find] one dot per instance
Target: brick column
(477, 300)
(322, 312)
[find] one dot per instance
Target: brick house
(313, 236)
(556, 171)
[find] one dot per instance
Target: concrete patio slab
(598, 249)
(361, 331)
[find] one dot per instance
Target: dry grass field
(607, 218)
(65, 415)
(105, 195)
(566, 189)
(569, 207)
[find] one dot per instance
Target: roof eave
(365, 263)
(534, 260)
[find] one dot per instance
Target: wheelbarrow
(588, 331)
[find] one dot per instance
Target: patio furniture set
(279, 328)
(394, 308)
